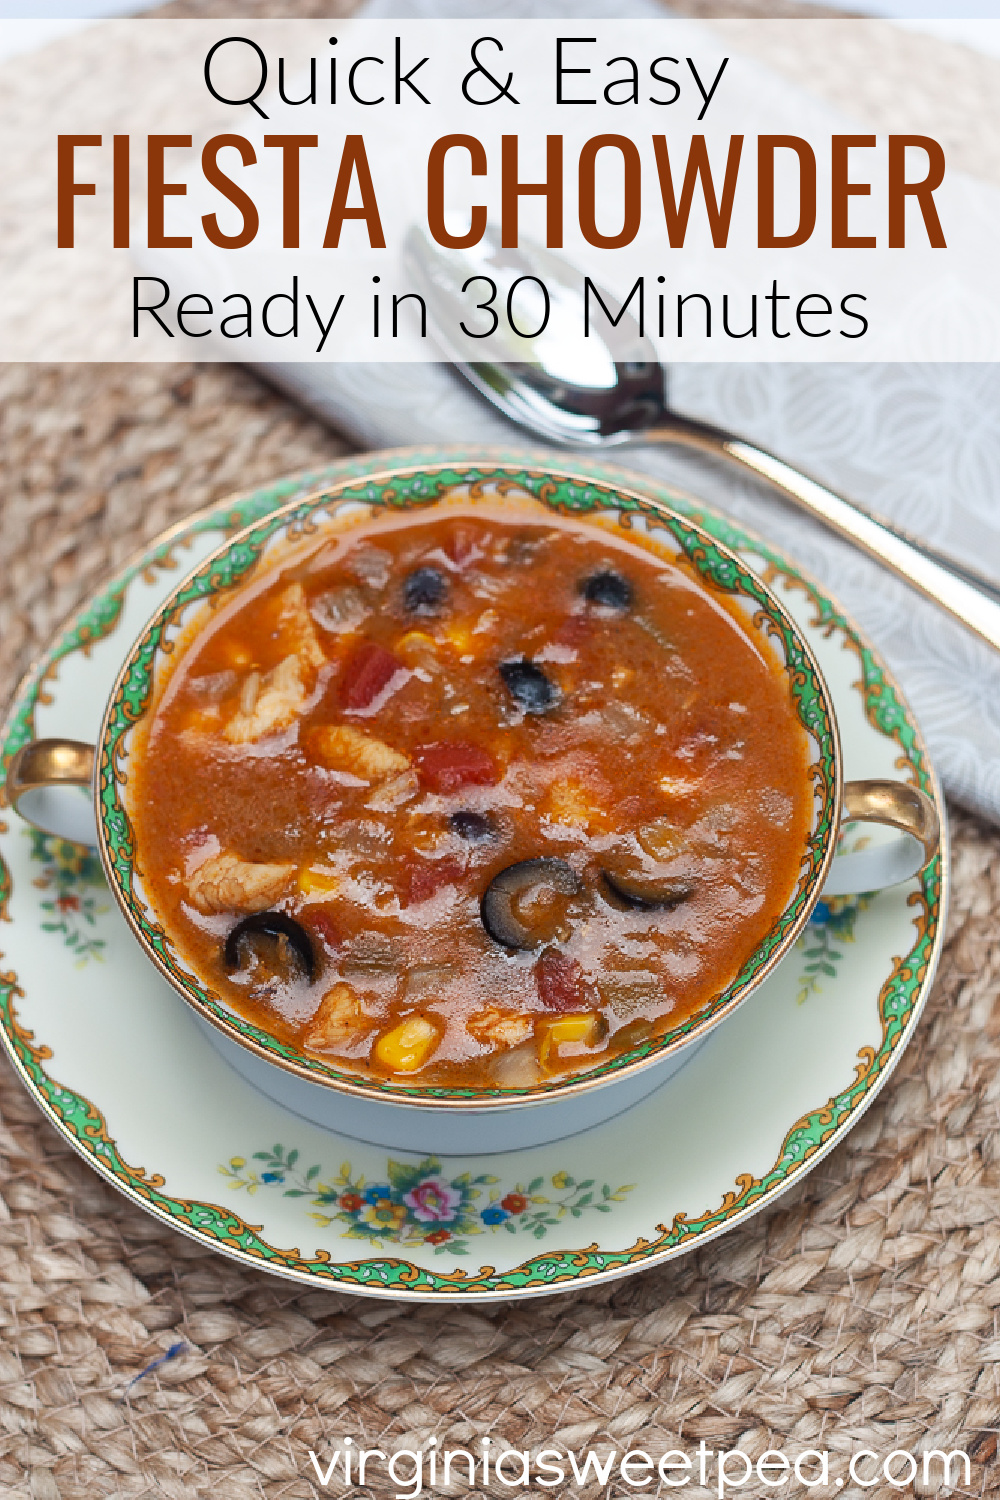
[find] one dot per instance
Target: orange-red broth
(669, 753)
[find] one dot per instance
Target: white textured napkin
(918, 443)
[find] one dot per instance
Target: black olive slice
(638, 892)
(502, 906)
(528, 685)
(273, 924)
(425, 590)
(474, 826)
(607, 588)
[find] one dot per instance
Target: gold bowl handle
(896, 804)
(42, 781)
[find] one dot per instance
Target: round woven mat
(859, 1311)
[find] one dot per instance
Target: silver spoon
(626, 403)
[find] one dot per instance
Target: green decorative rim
(900, 999)
(404, 490)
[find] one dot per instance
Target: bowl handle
(898, 805)
(44, 780)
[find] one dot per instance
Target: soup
(472, 800)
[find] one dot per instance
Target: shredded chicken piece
(227, 883)
(342, 748)
(296, 629)
(500, 1028)
(395, 792)
(267, 703)
(338, 1018)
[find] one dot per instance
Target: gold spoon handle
(968, 596)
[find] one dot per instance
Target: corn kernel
(570, 803)
(407, 1046)
(585, 1030)
(317, 881)
(460, 638)
(237, 656)
(416, 643)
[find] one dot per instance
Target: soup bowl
(438, 1115)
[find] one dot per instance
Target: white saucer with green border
(118, 1064)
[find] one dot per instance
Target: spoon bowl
(600, 393)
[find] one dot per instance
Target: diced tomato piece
(462, 544)
(369, 670)
(575, 631)
(322, 924)
(429, 876)
(560, 981)
(450, 764)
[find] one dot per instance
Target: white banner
(481, 190)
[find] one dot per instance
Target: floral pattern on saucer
(821, 945)
(73, 875)
(419, 1204)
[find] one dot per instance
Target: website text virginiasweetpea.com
(417, 1471)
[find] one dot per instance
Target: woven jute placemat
(859, 1311)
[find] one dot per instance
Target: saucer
(117, 1062)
